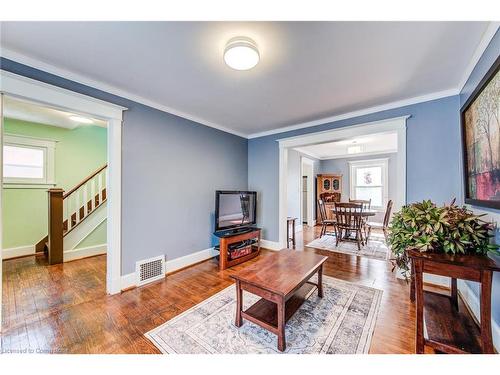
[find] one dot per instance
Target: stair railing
(67, 210)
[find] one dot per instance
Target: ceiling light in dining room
(81, 120)
(354, 149)
(241, 53)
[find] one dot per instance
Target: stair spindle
(92, 194)
(85, 200)
(99, 186)
(65, 214)
(77, 206)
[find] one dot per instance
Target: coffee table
(282, 282)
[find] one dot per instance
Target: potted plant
(447, 229)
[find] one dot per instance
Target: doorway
(394, 125)
(304, 200)
(307, 191)
(32, 91)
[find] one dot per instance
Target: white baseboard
(429, 279)
(437, 280)
(472, 302)
(187, 260)
(172, 265)
(127, 281)
(271, 245)
(20, 251)
(84, 252)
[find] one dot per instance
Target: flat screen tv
(235, 209)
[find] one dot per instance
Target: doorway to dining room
(363, 162)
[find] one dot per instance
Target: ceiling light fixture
(241, 53)
(82, 120)
(354, 149)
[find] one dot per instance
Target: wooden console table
(443, 323)
(252, 238)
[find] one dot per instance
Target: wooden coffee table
(282, 280)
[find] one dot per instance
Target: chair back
(349, 215)
(387, 215)
(366, 203)
(322, 209)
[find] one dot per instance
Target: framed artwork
(480, 123)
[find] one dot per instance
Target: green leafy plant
(426, 227)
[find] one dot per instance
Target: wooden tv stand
(253, 238)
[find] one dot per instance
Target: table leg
(293, 234)
(419, 289)
(454, 294)
(320, 282)
(281, 325)
(239, 304)
(485, 312)
(412, 282)
(287, 234)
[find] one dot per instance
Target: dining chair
(349, 219)
(367, 204)
(324, 218)
(385, 224)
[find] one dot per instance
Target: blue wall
(433, 156)
(171, 168)
(484, 64)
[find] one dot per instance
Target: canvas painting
(481, 132)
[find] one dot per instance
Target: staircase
(70, 211)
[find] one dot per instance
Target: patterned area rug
(375, 249)
(341, 322)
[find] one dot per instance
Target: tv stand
(234, 232)
(246, 243)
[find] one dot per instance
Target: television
(235, 210)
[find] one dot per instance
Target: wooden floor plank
(64, 308)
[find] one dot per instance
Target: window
(368, 180)
(28, 162)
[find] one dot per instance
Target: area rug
(375, 249)
(342, 322)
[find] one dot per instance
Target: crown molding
(483, 44)
(49, 68)
(361, 112)
(84, 80)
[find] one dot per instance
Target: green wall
(78, 153)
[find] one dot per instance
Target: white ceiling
(27, 111)
(370, 145)
(308, 70)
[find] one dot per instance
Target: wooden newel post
(55, 226)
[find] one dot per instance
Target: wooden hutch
(328, 188)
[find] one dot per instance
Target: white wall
(294, 182)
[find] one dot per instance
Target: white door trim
(1, 210)
(310, 190)
(31, 90)
(396, 124)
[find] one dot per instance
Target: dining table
(363, 213)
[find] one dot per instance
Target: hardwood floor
(64, 309)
